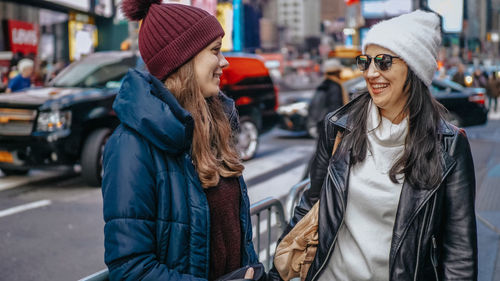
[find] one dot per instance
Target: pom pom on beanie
(137, 9)
(171, 34)
(415, 37)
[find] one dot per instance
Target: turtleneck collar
(383, 131)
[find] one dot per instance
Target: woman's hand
(249, 273)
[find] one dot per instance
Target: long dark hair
(420, 162)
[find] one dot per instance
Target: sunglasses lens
(363, 62)
(383, 62)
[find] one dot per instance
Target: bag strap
(338, 138)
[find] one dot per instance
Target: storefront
(52, 31)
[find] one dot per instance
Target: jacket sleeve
(129, 207)
(319, 168)
(318, 171)
(459, 253)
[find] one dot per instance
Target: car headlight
(300, 108)
(53, 121)
(468, 80)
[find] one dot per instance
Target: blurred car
(67, 122)
(466, 106)
(70, 121)
(248, 82)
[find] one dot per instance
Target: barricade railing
(102, 275)
(268, 204)
(294, 196)
(271, 206)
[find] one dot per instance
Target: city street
(53, 229)
(72, 71)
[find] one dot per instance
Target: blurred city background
(53, 130)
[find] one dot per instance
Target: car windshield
(92, 74)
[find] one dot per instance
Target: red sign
(23, 37)
(351, 2)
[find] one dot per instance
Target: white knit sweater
(364, 239)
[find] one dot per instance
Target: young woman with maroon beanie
(175, 203)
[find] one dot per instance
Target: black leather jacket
(434, 235)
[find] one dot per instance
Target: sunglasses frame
(375, 61)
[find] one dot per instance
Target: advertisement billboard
(23, 37)
(373, 9)
(82, 39)
(225, 17)
(452, 12)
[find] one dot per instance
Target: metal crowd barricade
(268, 204)
(102, 275)
(294, 196)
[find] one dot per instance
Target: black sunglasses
(383, 61)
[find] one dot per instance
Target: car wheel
(15, 172)
(248, 139)
(453, 119)
(91, 159)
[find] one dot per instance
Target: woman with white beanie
(396, 199)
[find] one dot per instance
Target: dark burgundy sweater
(225, 230)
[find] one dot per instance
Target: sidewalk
(488, 213)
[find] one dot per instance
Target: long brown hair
(213, 150)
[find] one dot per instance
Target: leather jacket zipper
(433, 256)
(336, 234)
(420, 242)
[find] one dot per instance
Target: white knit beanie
(24, 63)
(415, 37)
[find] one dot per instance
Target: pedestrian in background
(396, 200)
(175, 203)
(329, 96)
(40, 76)
(480, 80)
(459, 76)
(23, 79)
(493, 91)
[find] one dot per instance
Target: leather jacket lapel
(411, 201)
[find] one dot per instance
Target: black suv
(69, 121)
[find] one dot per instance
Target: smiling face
(208, 65)
(386, 87)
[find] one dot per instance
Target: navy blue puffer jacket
(156, 213)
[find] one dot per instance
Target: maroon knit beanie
(170, 34)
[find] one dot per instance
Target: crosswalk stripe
(278, 186)
(254, 168)
(25, 207)
(494, 115)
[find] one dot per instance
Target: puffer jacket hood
(145, 105)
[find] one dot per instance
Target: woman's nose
(372, 71)
(223, 62)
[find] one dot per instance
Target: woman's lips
(378, 88)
